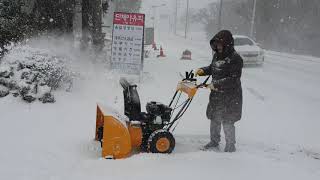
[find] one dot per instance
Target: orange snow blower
(149, 131)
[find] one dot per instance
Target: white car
(249, 50)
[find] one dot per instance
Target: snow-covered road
(277, 138)
(286, 89)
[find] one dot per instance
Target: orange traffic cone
(161, 53)
(186, 55)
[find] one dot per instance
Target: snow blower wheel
(161, 141)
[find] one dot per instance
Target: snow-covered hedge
(33, 73)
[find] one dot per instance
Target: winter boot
(210, 145)
(230, 148)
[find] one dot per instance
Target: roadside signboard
(128, 42)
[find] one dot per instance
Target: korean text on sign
(127, 43)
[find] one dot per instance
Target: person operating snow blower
(225, 102)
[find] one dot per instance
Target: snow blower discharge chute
(149, 131)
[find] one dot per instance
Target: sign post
(128, 42)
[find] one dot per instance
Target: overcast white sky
(169, 7)
(170, 4)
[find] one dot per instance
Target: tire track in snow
(289, 66)
(299, 58)
(284, 81)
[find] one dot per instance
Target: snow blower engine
(149, 131)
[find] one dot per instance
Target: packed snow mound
(34, 73)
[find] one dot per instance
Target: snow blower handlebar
(189, 76)
(189, 86)
(204, 84)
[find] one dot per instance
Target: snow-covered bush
(33, 73)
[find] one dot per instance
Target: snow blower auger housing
(149, 131)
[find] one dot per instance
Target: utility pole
(85, 24)
(77, 22)
(97, 35)
(253, 18)
(187, 21)
(220, 16)
(154, 15)
(176, 18)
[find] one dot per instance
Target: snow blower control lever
(149, 131)
(188, 86)
(189, 76)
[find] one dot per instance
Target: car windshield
(242, 42)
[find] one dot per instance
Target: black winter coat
(225, 104)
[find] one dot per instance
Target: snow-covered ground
(277, 138)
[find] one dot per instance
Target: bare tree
(290, 25)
